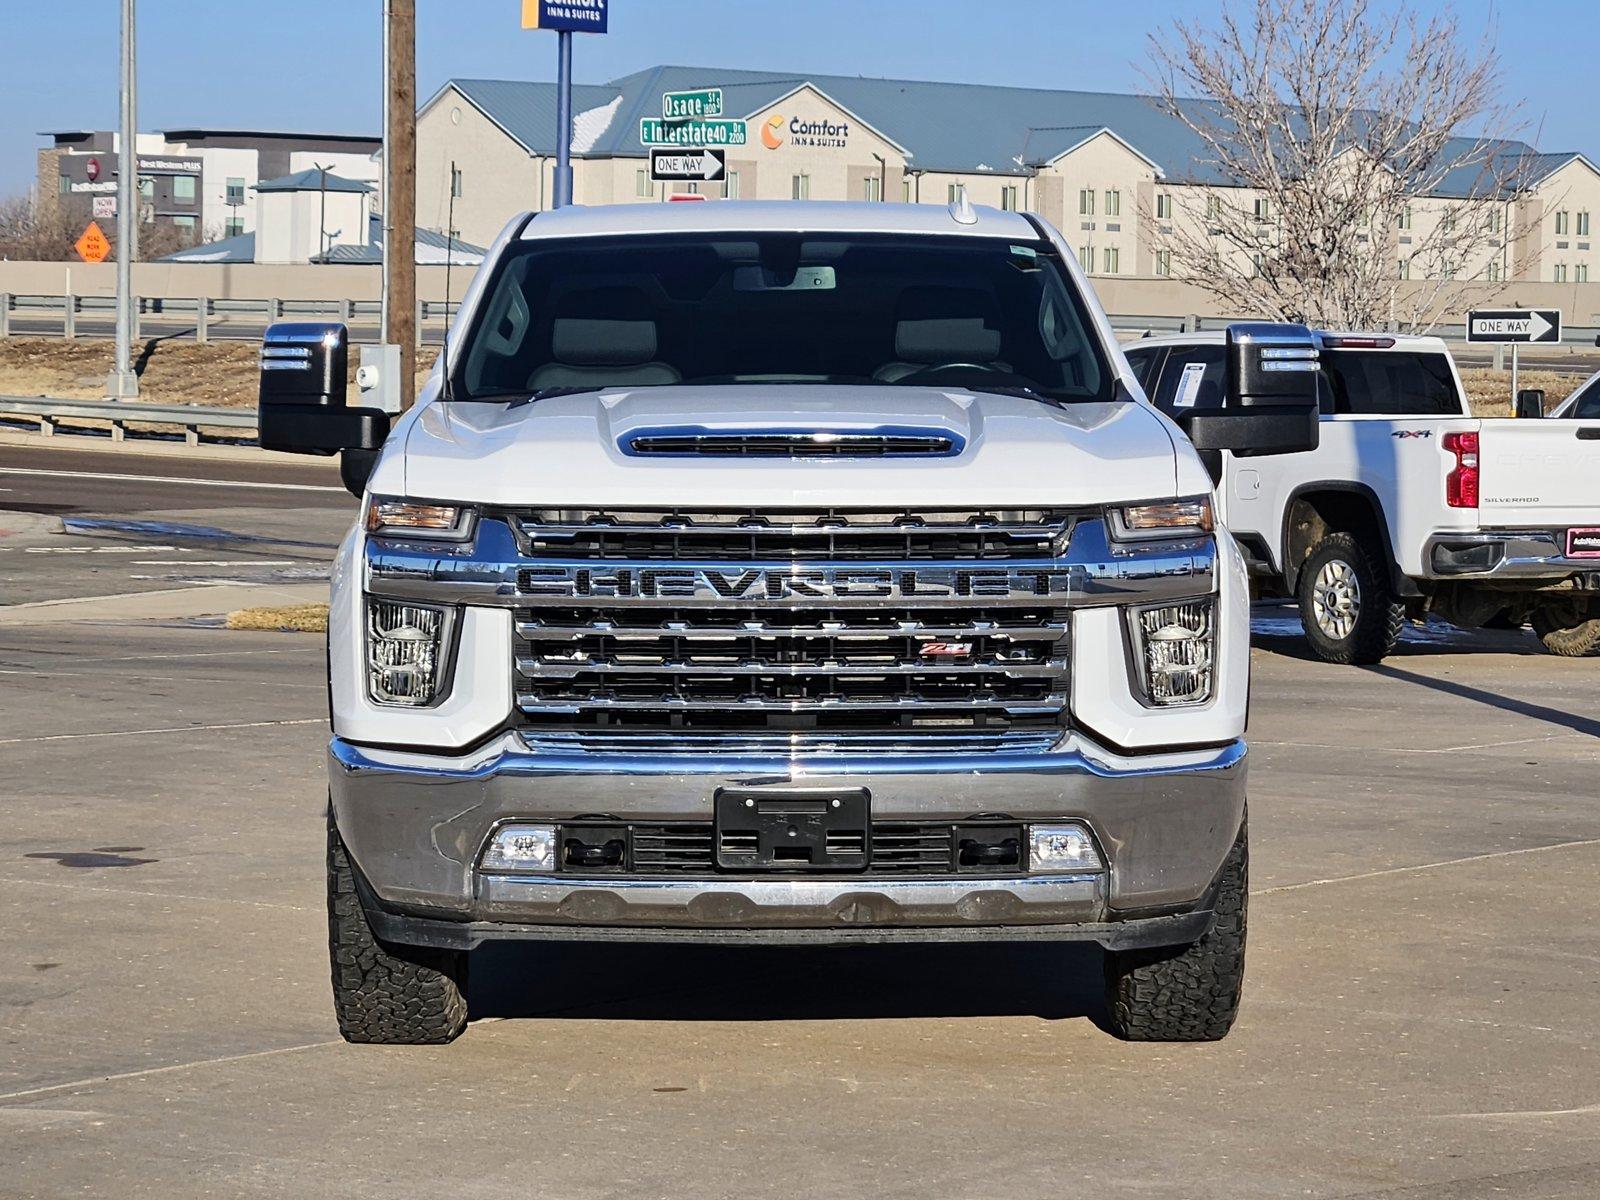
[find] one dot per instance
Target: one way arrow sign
(698, 165)
(1517, 325)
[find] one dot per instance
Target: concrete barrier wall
(1121, 295)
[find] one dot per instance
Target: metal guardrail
(198, 318)
(191, 418)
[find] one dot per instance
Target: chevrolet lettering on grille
(792, 583)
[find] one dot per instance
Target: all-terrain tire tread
(1569, 641)
(1381, 619)
(1191, 993)
(387, 995)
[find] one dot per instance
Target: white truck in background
(1409, 505)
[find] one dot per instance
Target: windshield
(981, 313)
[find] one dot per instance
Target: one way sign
(698, 165)
(1514, 325)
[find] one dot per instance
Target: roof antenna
(449, 248)
(961, 210)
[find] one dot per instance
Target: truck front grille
(746, 535)
(622, 673)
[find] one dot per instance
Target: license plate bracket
(1583, 543)
(793, 829)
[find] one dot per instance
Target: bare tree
(32, 232)
(1331, 137)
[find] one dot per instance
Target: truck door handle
(1591, 434)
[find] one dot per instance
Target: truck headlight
(1163, 518)
(389, 517)
(1174, 650)
(407, 651)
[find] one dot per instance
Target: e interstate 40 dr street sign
(657, 131)
(708, 165)
(1514, 325)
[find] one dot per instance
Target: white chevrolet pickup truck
(1408, 506)
(795, 573)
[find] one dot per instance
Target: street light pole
(123, 384)
(322, 215)
(563, 195)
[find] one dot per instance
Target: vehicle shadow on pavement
(1510, 704)
(1278, 631)
(655, 982)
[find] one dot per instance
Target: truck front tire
(384, 994)
(1570, 629)
(1347, 603)
(1186, 993)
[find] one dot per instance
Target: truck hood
(569, 450)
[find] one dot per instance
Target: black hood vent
(793, 443)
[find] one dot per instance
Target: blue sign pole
(563, 188)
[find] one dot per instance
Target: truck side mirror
(1530, 402)
(301, 406)
(1270, 406)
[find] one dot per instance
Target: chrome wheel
(1336, 599)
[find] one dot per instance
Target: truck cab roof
(1329, 339)
(777, 216)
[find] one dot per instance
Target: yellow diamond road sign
(93, 247)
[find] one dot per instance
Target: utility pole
(122, 383)
(383, 186)
(400, 166)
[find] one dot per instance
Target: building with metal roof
(1113, 171)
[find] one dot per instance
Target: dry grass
(1489, 391)
(291, 618)
(219, 374)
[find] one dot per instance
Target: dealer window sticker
(1189, 385)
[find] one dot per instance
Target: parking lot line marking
(1428, 866)
(1547, 737)
(114, 733)
(233, 483)
(184, 1066)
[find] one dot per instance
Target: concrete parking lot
(1419, 1021)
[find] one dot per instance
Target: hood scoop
(699, 442)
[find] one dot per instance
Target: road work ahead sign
(1516, 325)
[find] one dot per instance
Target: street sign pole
(563, 118)
(1513, 373)
(122, 383)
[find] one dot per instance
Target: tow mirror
(1530, 402)
(301, 407)
(1270, 406)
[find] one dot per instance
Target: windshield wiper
(550, 393)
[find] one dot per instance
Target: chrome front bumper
(415, 826)
(1522, 555)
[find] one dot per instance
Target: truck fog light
(407, 646)
(1173, 646)
(1062, 848)
(521, 848)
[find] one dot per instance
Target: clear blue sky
(314, 64)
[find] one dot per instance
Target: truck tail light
(407, 648)
(1461, 485)
(1174, 649)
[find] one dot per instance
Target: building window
(1213, 207)
(235, 193)
(1086, 255)
(1561, 272)
(183, 189)
(801, 189)
(1263, 209)
(233, 227)
(147, 187)
(905, 191)
(1405, 268)
(1583, 224)
(1494, 270)
(1405, 219)
(731, 190)
(1580, 273)
(1255, 262)
(692, 188)
(1113, 259)
(455, 182)
(1113, 203)
(872, 188)
(1163, 206)
(63, 184)
(1008, 197)
(642, 185)
(1164, 263)
(1493, 223)
(1561, 222)
(953, 191)
(1086, 202)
